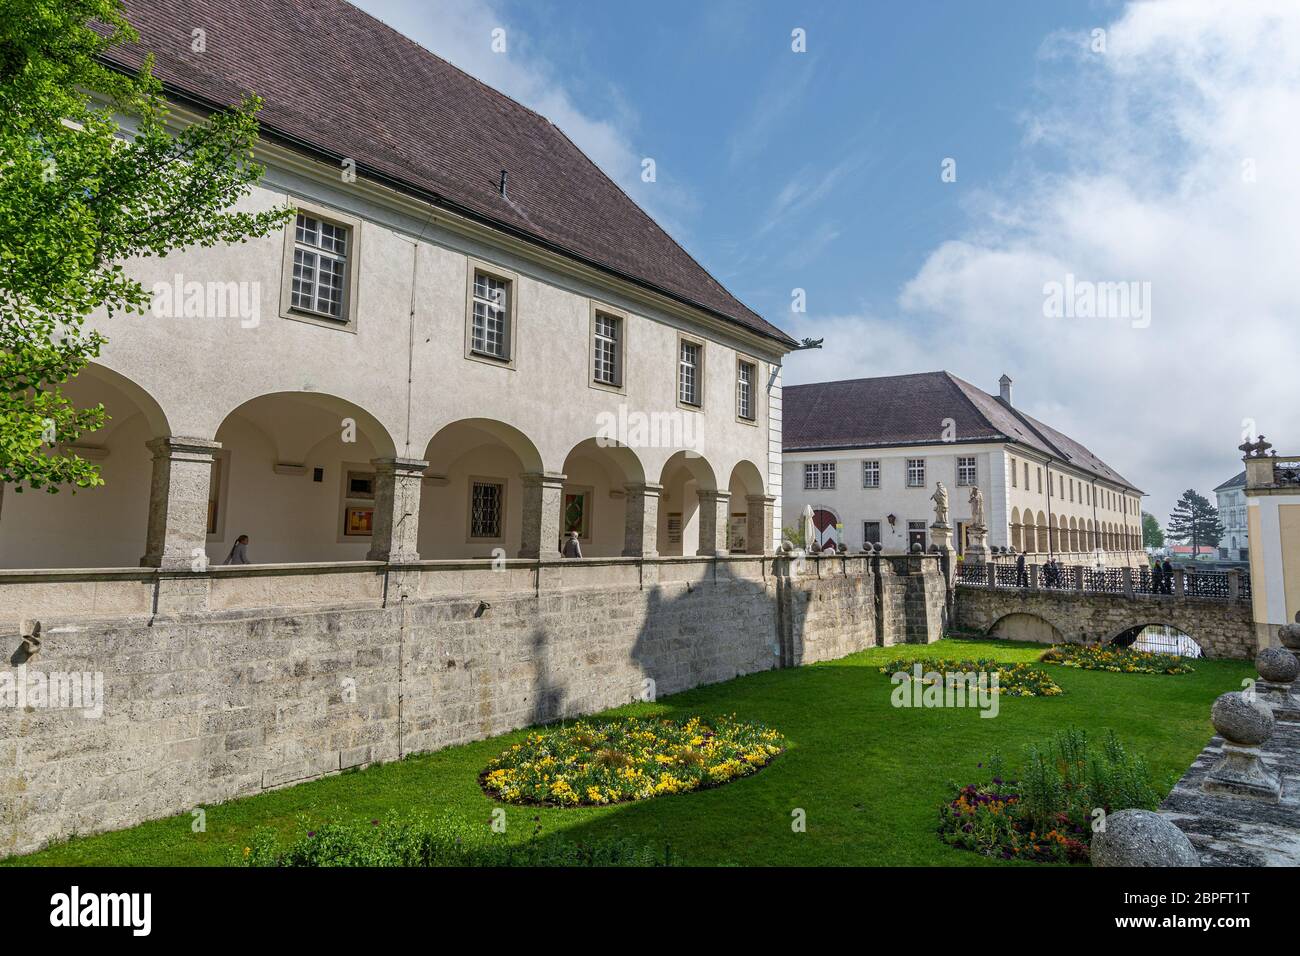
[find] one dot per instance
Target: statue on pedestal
(940, 499)
(976, 508)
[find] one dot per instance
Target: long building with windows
(466, 343)
(866, 454)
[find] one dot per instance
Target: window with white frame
(486, 509)
(966, 471)
(688, 373)
(745, 375)
(490, 328)
(915, 472)
(320, 266)
(819, 475)
(871, 474)
(607, 348)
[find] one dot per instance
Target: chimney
(1004, 389)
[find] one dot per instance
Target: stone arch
(749, 529)
(1016, 531)
(1179, 640)
(481, 480)
(1043, 533)
(685, 519)
(594, 500)
(100, 527)
(1074, 535)
(296, 473)
(1025, 626)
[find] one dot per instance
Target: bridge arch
(1180, 641)
(1025, 626)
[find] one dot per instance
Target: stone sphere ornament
(1277, 665)
(1141, 838)
(1289, 635)
(1238, 720)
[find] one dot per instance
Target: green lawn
(870, 777)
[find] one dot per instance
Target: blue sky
(821, 171)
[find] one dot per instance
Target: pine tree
(1196, 522)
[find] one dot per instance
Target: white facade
(1032, 504)
(302, 427)
(1232, 505)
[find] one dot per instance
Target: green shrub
(422, 841)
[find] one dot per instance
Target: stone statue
(940, 499)
(976, 507)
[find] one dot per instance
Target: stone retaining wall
(203, 706)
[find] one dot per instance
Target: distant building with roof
(1235, 545)
(865, 455)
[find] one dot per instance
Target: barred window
(319, 266)
(688, 374)
(819, 475)
(605, 368)
(871, 474)
(745, 390)
(490, 334)
(966, 471)
(915, 472)
(485, 509)
(870, 533)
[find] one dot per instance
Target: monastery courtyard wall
(230, 681)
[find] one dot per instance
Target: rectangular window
(1040, 481)
(745, 375)
(871, 474)
(966, 471)
(1013, 473)
(818, 475)
(485, 509)
(688, 374)
(915, 472)
(320, 266)
(870, 532)
(1026, 476)
(1071, 489)
(607, 349)
(916, 534)
(490, 324)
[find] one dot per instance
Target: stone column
(395, 533)
(641, 526)
(715, 513)
(178, 502)
(540, 530)
(760, 510)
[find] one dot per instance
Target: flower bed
(1048, 815)
(632, 759)
(1121, 660)
(1014, 680)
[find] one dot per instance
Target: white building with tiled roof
(866, 454)
(1231, 496)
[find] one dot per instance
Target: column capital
(718, 496)
(643, 488)
(400, 466)
(177, 447)
(760, 499)
(546, 480)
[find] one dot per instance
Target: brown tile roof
(910, 410)
(338, 81)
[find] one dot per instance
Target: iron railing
(1202, 585)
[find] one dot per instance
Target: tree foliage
(1195, 521)
(1152, 534)
(94, 171)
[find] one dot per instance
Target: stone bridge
(1222, 624)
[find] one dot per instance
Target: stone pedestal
(977, 545)
(715, 510)
(1244, 723)
(178, 503)
(641, 526)
(540, 530)
(395, 534)
(941, 537)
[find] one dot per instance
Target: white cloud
(1150, 141)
